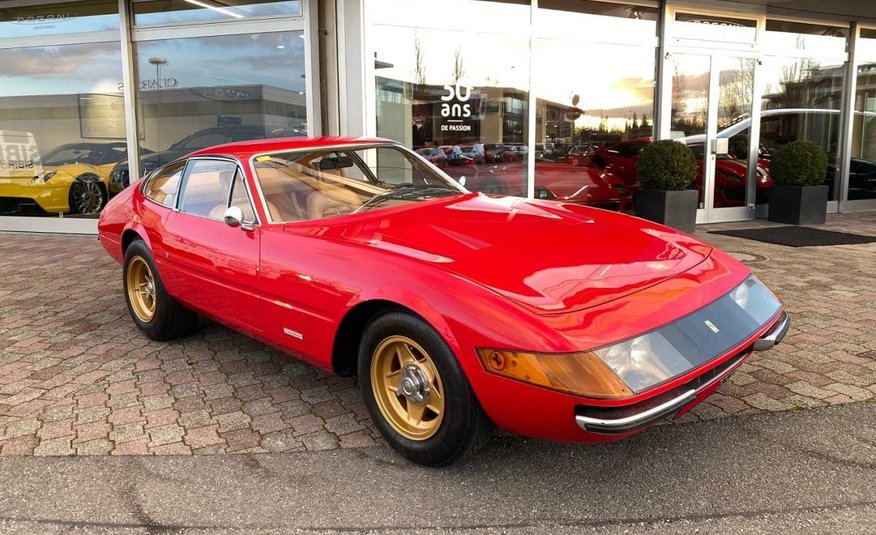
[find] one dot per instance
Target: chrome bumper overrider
(775, 335)
(674, 404)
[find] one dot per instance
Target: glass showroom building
(516, 96)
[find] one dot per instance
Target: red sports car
(458, 311)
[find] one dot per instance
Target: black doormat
(794, 236)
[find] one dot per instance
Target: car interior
(314, 186)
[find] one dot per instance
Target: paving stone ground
(77, 378)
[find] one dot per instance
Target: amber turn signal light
(582, 374)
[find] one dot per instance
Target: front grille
(700, 380)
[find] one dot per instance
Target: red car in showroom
(730, 170)
(458, 311)
(587, 185)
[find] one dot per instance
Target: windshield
(67, 154)
(314, 184)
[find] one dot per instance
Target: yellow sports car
(73, 181)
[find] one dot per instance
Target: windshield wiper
(404, 192)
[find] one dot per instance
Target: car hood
(548, 257)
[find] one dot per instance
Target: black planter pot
(676, 209)
(798, 205)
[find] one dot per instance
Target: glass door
(712, 96)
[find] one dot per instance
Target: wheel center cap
(414, 384)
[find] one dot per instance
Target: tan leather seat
(333, 202)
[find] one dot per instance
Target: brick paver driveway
(76, 377)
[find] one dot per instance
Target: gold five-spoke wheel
(407, 388)
(141, 289)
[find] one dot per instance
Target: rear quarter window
(162, 186)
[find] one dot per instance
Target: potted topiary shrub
(665, 169)
(798, 196)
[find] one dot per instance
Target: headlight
(755, 299)
(575, 373)
(644, 361)
(651, 358)
(45, 177)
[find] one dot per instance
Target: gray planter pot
(676, 209)
(798, 205)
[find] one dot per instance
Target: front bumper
(618, 420)
(21, 197)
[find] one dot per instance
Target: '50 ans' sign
(455, 107)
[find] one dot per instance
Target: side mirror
(233, 216)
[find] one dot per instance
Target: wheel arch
(345, 348)
(128, 237)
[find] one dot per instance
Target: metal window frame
(857, 205)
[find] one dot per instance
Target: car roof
(245, 149)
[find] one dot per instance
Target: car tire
(158, 315)
(439, 420)
(87, 195)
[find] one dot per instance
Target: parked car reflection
(730, 171)
(120, 180)
(74, 180)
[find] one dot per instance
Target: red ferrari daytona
(458, 311)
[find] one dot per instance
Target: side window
(206, 188)
(163, 184)
(240, 199)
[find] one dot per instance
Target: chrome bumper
(619, 425)
(673, 405)
(775, 335)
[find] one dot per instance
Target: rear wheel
(416, 392)
(153, 310)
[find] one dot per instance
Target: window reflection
(456, 87)
(62, 128)
(862, 167)
(55, 19)
(199, 92)
(803, 94)
(595, 72)
(154, 12)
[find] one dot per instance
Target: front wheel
(158, 315)
(87, 196)
(416, 392)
